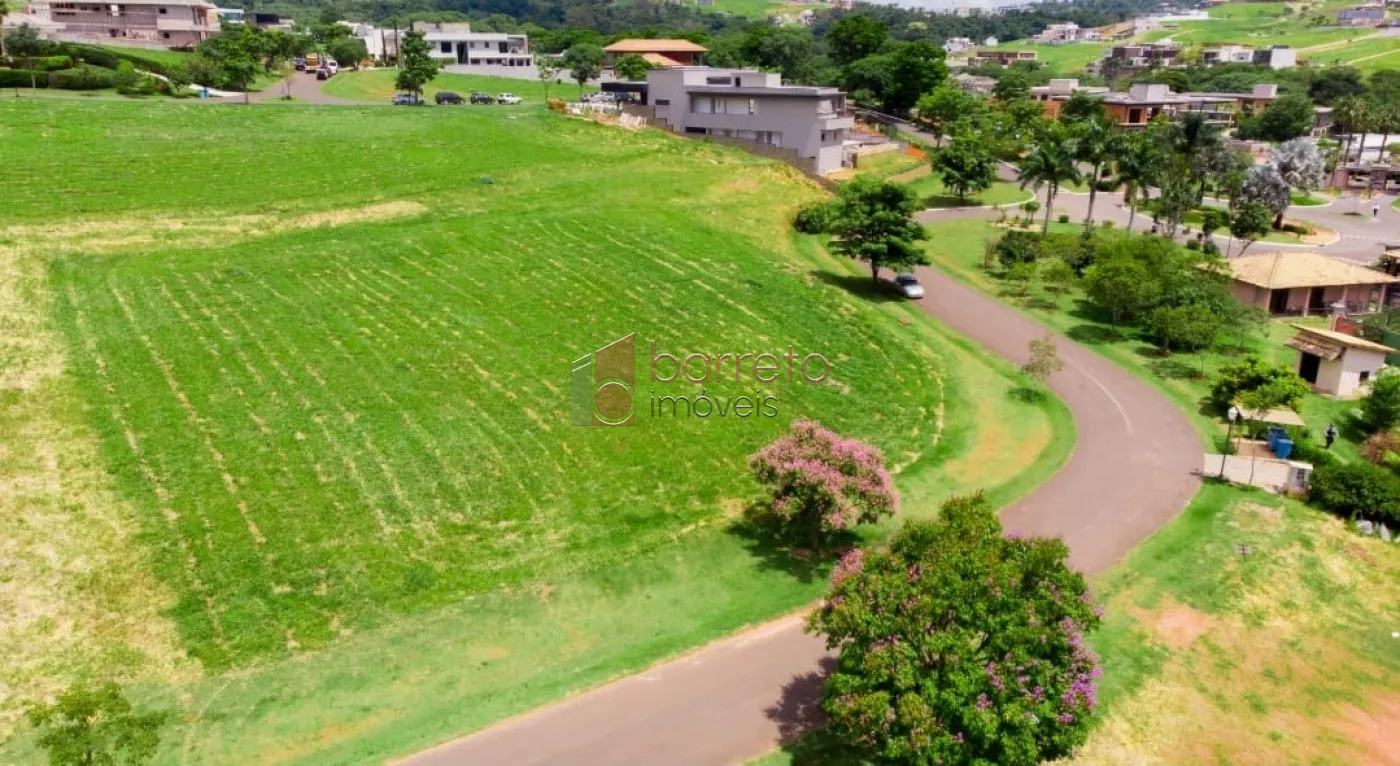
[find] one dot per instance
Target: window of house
(160, 10)
(719, 80)
(1365, 375)
(445, 47)
(165, 35)
(702, 105)
(662, 102)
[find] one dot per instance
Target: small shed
(1336, 363)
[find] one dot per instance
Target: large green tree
(855, 37)
(416, 67)
(965, 166)
(873, 221)
(917, 67)
(631, 67)
(584, 62)
(959, 645)
(1289, 117)
(938, 110)
(95, 726)
(789, 50)
(1121, 287)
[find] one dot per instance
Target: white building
(990, 42)
(957, 45)
(458, 44)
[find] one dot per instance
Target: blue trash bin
(1283, 448)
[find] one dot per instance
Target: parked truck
(313, 61)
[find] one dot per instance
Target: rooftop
(1282, 270)
(655, 46)
(1327, 343)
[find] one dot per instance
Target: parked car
(332, 66)
(909, 287)
(482, 98)
(323, 73)
(299, 63)
(448, 97)
(408, 99)
(508, 98)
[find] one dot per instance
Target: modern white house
(458, 44)
(1274, 57)
(956, 45)
(756, 108)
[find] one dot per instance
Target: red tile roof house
(662, 54)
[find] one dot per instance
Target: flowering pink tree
(821, 483)
(958, 645)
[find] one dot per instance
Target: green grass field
(929, 188)
(378, 85)
(293, 456)
(1256, 24)
(1063, 59)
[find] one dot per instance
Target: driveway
(1133, 469)
(305, 89)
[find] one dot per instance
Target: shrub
(1271, 384)
(1381, 449)
(82, 78)
(1107, 224)
(127, 79)
(19, 78)
(1016, 247)
(1297, 228)
(52, 63)
(1107, 184)
(108, 59)
(1357, 490)
(1307, 450)
(1063, 218)
(1193, 245)
(1380, 409)
(814, 217)
(556, 105)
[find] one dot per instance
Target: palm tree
(1051, 164)
(1386, 119)
(1349, 116)
(1098, 144)
(1139, 166)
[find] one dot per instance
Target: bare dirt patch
(1374, 731)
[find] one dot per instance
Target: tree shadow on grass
(1169, 367)
(1093, 334)
(1026, 394)
(1043, 303)
(875, 291)
(950, 200)
(787, 553)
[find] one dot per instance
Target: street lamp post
(1232, 416)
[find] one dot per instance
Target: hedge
(19, 78)
(1357, 490)
(111, 59)
(82, 78)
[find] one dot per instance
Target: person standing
(1331, 434)
(1375, 209)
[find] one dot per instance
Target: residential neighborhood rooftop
(655, 46)
(1280, 270)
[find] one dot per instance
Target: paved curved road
(1132, 471)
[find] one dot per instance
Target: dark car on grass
(448, 97)
(483, 98)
